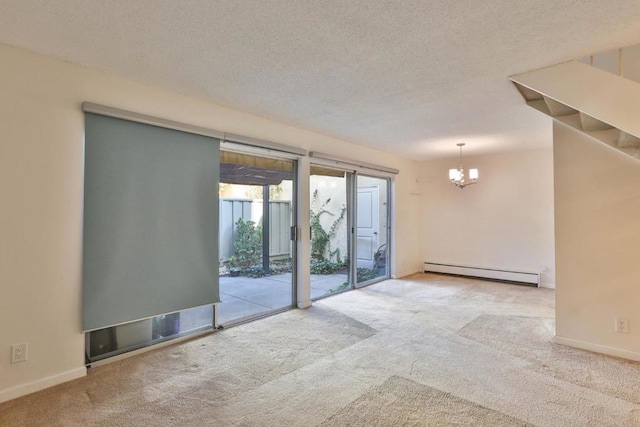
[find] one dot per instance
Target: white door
(368, 226)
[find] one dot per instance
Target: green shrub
(255, 271)
(365, 274)
(281, 266)
(322, 266)
(248, 244)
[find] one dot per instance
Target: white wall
(597, 199)
(41, 140)
(334, 190)
(503, 221)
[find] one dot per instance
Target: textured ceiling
(412, 77)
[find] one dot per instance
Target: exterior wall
(503, 221)
(333, 190)
(597, 201)
(41, 161)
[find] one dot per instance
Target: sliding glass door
(330, 218)
(257, 211)
(372, 230)
(349, 216)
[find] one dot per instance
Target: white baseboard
(32, 387)
(548, 285)
(405, 274)
(486, 272)
(598, 348)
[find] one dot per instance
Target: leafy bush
(365, 274)
(322, 266)
(248, 244)
(275, 267)
(281, 266)
(255, 271)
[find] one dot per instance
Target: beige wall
(597, 199)
(41, 140)
(503, 221)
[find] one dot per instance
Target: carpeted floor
(424, 351)
(402, 402)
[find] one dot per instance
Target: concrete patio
(244, 296)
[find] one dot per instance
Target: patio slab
(324, 284)
(245, 296)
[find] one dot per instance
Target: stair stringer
(601, 96)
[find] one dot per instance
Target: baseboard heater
(525, 277)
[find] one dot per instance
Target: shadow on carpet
(169, 385)
(399, 401)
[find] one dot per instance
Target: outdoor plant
(255, 271)
(365, 274)
(338, 288)
(320, 238)
(322, 266)
(232, 265)
(281, 266)
(248, 244)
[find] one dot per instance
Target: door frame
(270, 154)
(375, 223)
(351, 175)
(388, 234)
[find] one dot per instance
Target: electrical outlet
(622, 325)
(19, 352)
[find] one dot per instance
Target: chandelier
(457, 175)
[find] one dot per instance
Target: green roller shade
(150, 242)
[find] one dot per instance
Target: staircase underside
(601, 105)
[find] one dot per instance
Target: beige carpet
(428, 350)
(399, 401)
(608, 375)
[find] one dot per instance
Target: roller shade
(150, 243)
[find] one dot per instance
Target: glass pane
(372, 252)
(329, 232)
(119, 339)
(250, 282)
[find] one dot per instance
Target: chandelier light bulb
(456, 176)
